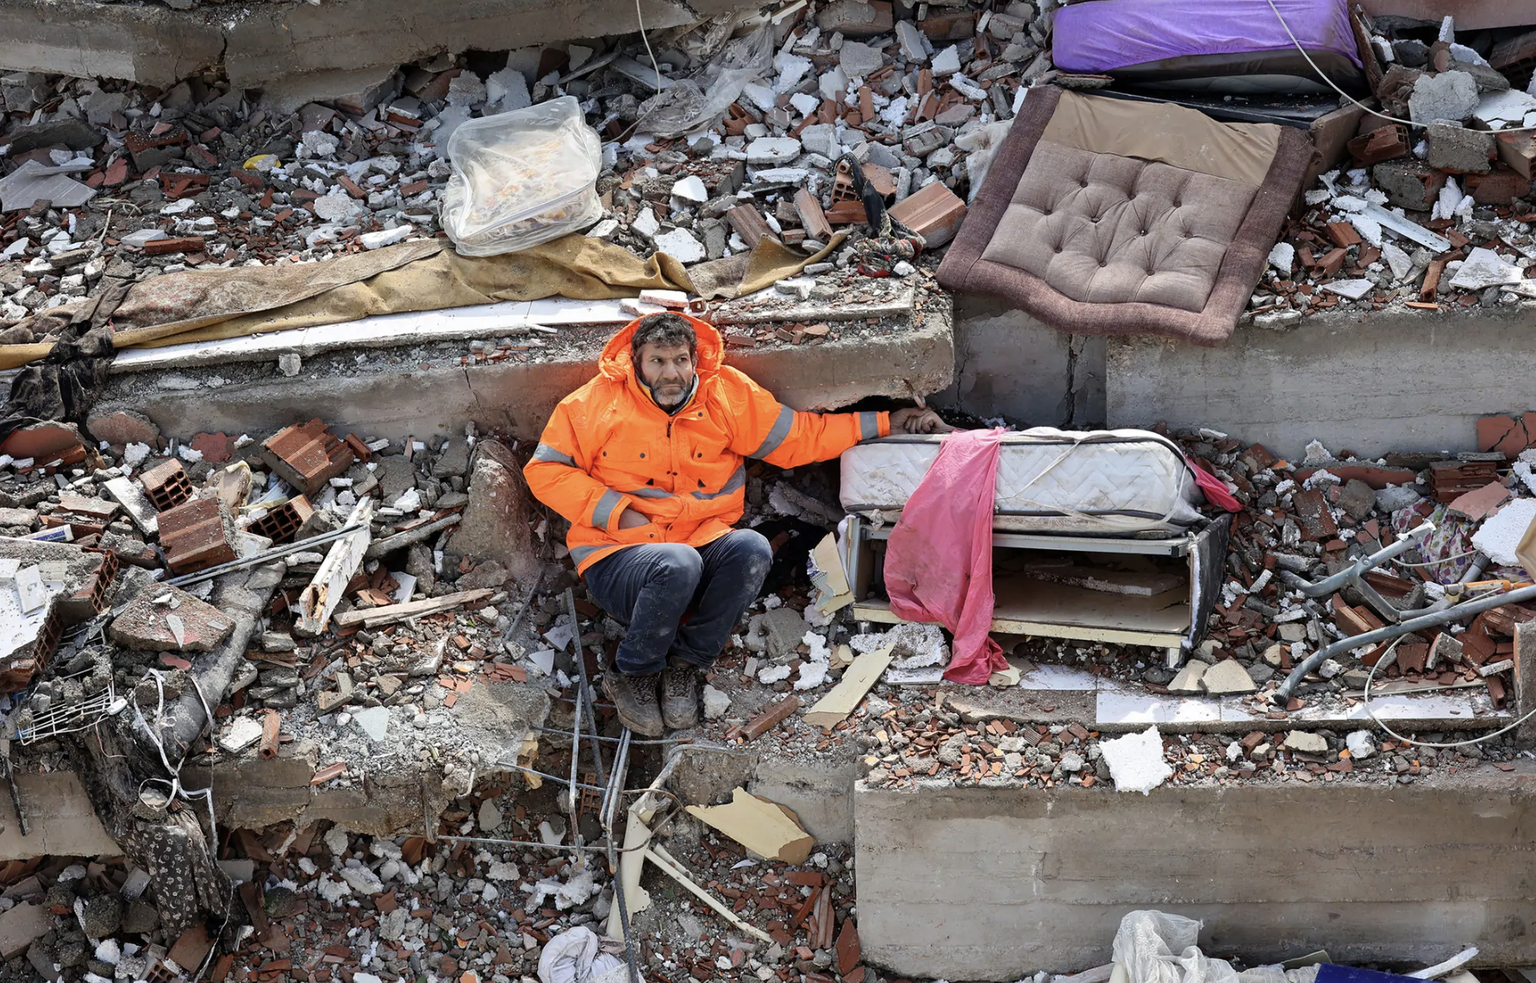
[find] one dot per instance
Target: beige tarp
(210, 305)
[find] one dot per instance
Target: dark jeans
(649, 587)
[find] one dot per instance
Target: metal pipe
(1283, 693)
(1323, 588)
(597, 760)
(1475, 569)
(256, 559)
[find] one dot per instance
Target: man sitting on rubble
(646, 461)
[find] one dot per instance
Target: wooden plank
(372, 617)
(843, 698)
(319, 599)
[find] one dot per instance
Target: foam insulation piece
(1136, 761)
(1500, 535)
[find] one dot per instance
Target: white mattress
(1104, 482)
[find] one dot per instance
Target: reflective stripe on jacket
(608, 447)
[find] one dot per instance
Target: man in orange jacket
(646, 461)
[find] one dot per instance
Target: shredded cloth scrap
(938, 563)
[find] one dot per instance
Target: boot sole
(624, 719)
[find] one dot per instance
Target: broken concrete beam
(161, 618)
(934, 212)
(324, 592)
(307, 455)
(197, 535)
(167, 485)
(1459, 149)
(282, 522)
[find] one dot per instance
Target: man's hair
(663, 329)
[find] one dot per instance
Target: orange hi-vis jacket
(608, 447)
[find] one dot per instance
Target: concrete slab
(63, 821)
(995, 884)
(1052, 694)
(1391, 380)
(1009, 364)
(426, 388)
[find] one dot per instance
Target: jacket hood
(616, 363)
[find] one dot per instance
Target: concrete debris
(1445, 96)
(1227, 678)
(412, 702)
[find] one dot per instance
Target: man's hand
(629, 519)
(917, 420)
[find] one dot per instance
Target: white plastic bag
(521, 178)
(1157, 947)
(572, 957)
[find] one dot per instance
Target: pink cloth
(1215, 489)
(938, 563)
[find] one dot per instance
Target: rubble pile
(1314, 518)
(1433, 207)
(106, 178)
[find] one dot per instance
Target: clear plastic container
(521, 178)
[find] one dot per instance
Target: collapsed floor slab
(433, 387)
(993, 883)
(1394, 380)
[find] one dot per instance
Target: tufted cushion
(1097, 242)
(1110, 230)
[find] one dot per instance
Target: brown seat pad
(1166, 232)
(1111, 230)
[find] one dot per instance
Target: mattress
(1098, 483)
(1222, 45)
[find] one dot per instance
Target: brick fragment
(934, 212)
(307, 455)
(282, 522)
(167, 485)
(197, 535)
(1383, 143)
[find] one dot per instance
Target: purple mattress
(1163, 41)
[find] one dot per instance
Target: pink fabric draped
(938, 562)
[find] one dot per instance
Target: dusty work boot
(679, 695)
(635, 699)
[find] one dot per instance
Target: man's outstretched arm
(770, 431)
